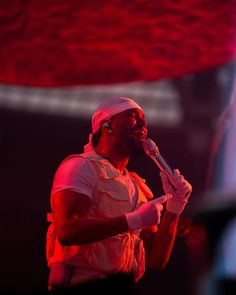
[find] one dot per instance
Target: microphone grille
(150, 148)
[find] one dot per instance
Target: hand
(148, 214)
(180, 192)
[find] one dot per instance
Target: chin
(136, 147)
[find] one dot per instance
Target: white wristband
(134, 221)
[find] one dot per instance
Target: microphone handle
(164, 167)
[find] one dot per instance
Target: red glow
(73, 42)
(197, 248)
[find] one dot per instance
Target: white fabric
(106, 110)
(75, 174)
(180, 194)
(78, 175)
(110, 108)
(147, 215)
(113, 196)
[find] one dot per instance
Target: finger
(159, 207)
(163, 176)
(181, 186)
(180, 179)
(185, 185)
(184, 191)
(187, 191)
(164, 198)
(176, 172)
(154, 228)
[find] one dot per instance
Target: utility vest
(121, 253)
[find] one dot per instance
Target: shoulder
(75, 162)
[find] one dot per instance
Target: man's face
(129, 130)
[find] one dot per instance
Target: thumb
(164, 198)
(162, 174)
(163, 177)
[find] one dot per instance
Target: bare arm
(159, 245)
(72, 227)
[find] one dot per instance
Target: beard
(136, 146)
(128, 143)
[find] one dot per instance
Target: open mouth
(139, 134)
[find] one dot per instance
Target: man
(103, 223)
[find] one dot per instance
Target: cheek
(123, 133)
(125, 127)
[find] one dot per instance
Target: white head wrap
(105, 111)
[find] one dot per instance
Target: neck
(117, 159)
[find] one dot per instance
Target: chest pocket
(112, 198)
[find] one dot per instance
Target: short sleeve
(76, 174)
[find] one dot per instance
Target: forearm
(162, 241)
(85, 230)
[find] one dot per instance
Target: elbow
(69, 238)
(64, 237)
(63, 240)
(68, 241)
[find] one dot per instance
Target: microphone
(150, 148)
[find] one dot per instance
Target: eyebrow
(130, 111)
(135, 111)
(140, 113)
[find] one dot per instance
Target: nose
(141, 123)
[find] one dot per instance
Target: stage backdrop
(58, 43)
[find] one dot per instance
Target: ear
(105, 124)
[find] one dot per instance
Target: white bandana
(105, 111)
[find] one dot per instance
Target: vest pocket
(111, 255)
(112, 198)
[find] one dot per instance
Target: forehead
(134, 111)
